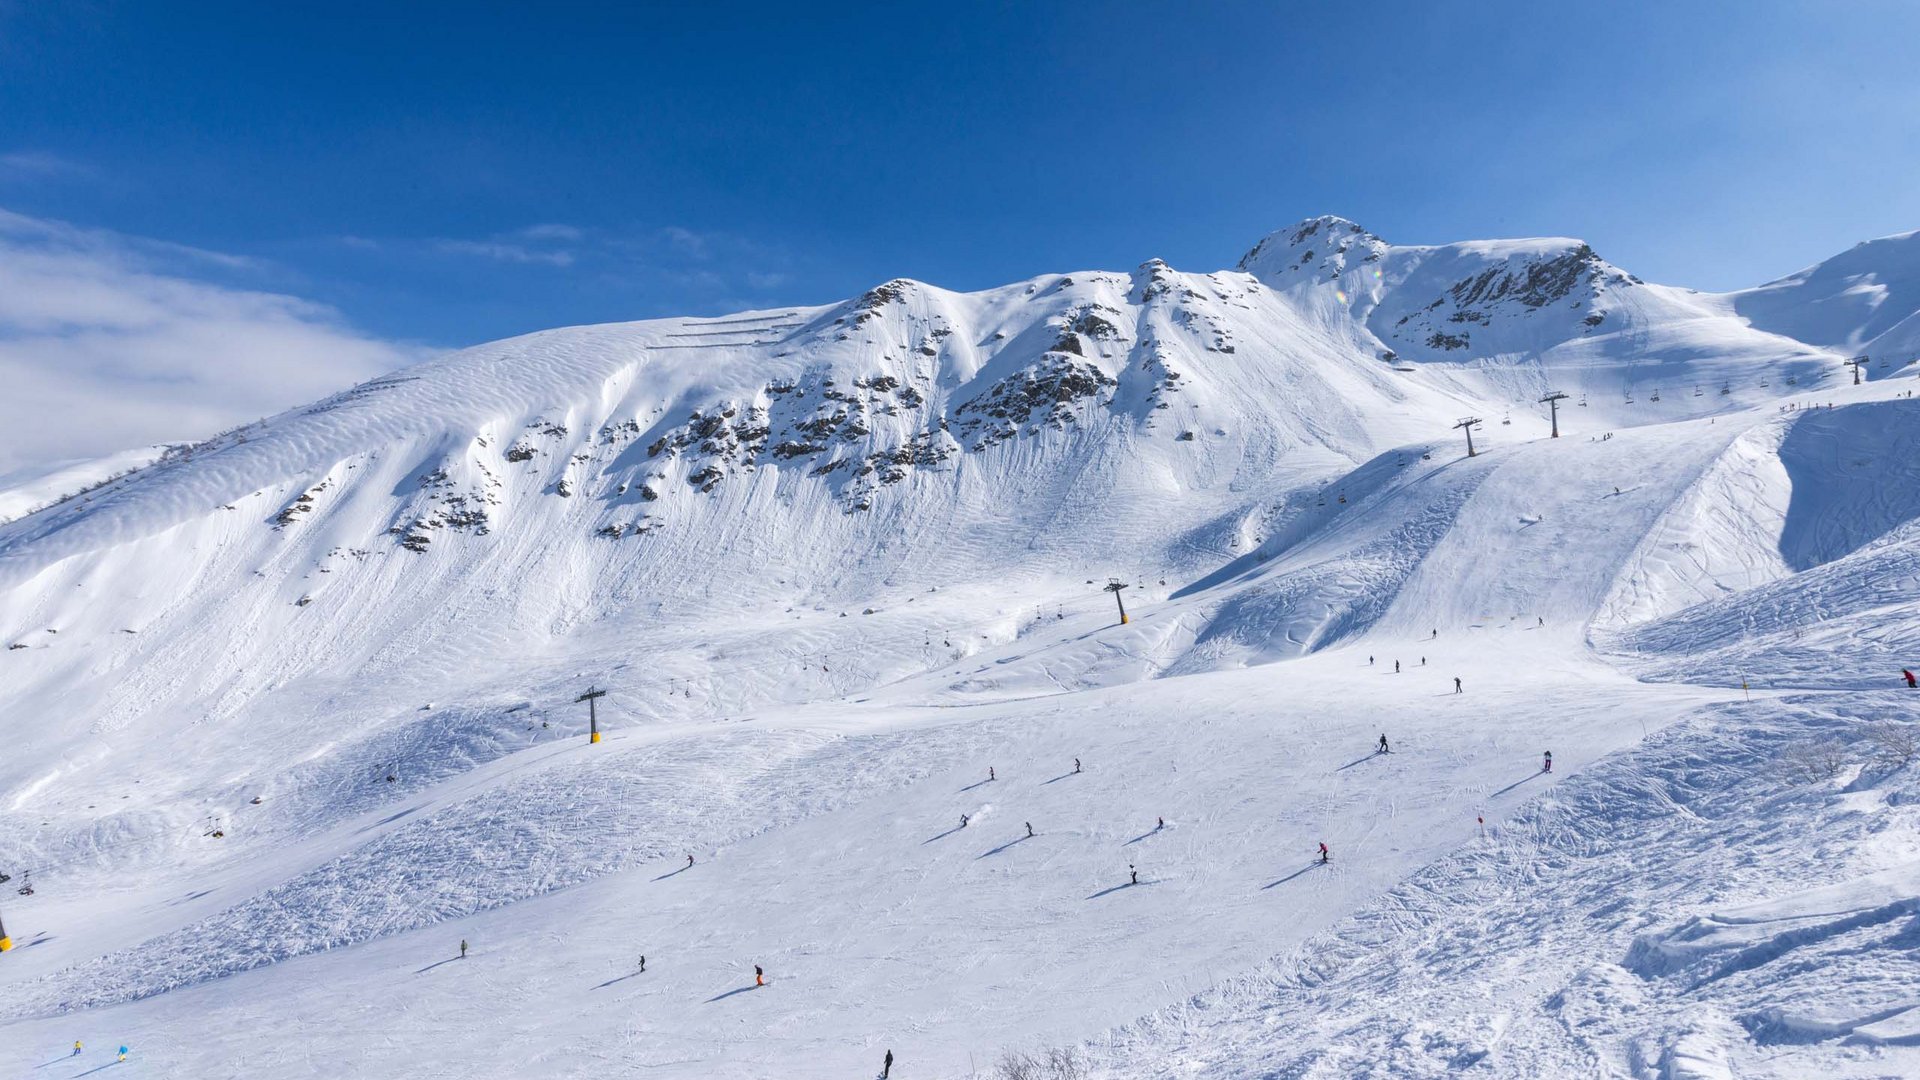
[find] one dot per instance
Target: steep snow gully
(298, 777)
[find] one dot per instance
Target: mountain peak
(1326, 234)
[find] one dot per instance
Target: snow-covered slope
(292, 711)
(1848, 302)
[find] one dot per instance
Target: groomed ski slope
(838, 864)
(807, 700)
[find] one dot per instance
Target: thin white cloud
(686, 241)
(550, 231)
(504, 252)
(109, 342)
(39, 165)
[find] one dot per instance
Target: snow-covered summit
(283, 706)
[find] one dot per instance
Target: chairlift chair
(1656, 394)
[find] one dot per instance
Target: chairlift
(1583, 400)
(1656, 394)
(1725, 389)
(1343, 498)
(1696, 391)
(26, 884)
(1764, 382)
(5, 877)
(1629, 397)
(1793, 380)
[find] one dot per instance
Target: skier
(1133, 875)
(1423, 661)
(1546, 765)
(1159, 823)
(1383, 744)
(1543, 621)
(463, 948)
(1436, 632)
(1908, 675)
(1029, 828)
(1325, 855)
(759, 977)
(689, 862)
(963, 821)
(123, 1053)
(1076, 765)
(990, 775)
(643, 961)
(886, 1066)
(1396, 667)
(1456, 684)
(76, 1048)
(1369, 661)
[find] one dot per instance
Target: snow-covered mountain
(309, 686)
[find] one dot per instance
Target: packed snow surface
(292, 715)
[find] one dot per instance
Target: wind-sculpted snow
(292, 712)
(557, 826)
(1856, 477)
(1848, 619)
(1562, 941)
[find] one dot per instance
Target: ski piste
(834, 567)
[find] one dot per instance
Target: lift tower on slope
(1468, 423)
(1552, 402)
(593, 718)
(1114, 585)
(1858, 364)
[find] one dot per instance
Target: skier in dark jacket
(886, 1066)
(1546, 765)
(1383, 744)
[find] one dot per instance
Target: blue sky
(440, 174)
